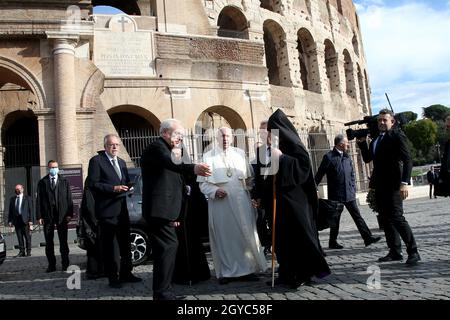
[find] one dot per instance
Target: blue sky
(407, 51)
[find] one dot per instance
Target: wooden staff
(273, 229)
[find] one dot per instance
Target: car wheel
(140, 246)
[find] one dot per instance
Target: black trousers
(390, 208)
(353, 209)
(165, 245)
(119, 228)
(431, 190)
(49, 232)
(23, 233)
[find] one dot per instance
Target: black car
(2, 248)
(141, 248)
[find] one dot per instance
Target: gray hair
(110, 135)
(448, 118)
(387, 111)
(338, 139)
(167, 125)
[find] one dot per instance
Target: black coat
(163, 186)
(26, 209)
(64, 203)
(432, 177)
(340, 176)
(88, 223)
(101, 181)
(392, 162)
(297, 243)
(444, 174)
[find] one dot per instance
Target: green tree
(409, 116)
(423, 137)
(436, 112)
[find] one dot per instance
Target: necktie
(116, 168)
(18, 204)
(53, 184)
(380, 137)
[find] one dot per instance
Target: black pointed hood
(289, 138)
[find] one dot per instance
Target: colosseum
(69, 76)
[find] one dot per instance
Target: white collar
(110, 158)
(340, 152)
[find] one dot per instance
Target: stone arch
(349, 75)
(137, 128)
(20, 140)
(272, 5)
(232, 117)
(92, 91)
(20, 75)
(355, 44)
(232, 23)
(212, 119)
(307, 56)
(362, 92)
(137, 110)
(129, 7)
(276, 53)
(331, 64)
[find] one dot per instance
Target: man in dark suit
(444, 173)
(338, 167)
(109, 182)
(54, 206)
(392, 166)
(21, 216)
(162, 200)
(432, 179)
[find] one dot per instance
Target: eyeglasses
(113, 145)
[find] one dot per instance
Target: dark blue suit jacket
(26, 210)
(101, 180)
(340, 176)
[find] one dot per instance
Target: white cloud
(407, 52)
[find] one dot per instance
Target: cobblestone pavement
(25, 278)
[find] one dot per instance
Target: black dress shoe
(167, 296)
(64, 268)
(130, 278)
(50, 269)
(115, 283)
(371, 240)
(335, 245)
(20, 254)
(28, 254)
(391, 257)
(413, 259)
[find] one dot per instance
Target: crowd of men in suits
(292, 184)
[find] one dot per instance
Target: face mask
(53, 171)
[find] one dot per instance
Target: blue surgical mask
(53, 171)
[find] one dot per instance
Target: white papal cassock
(234, 241)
